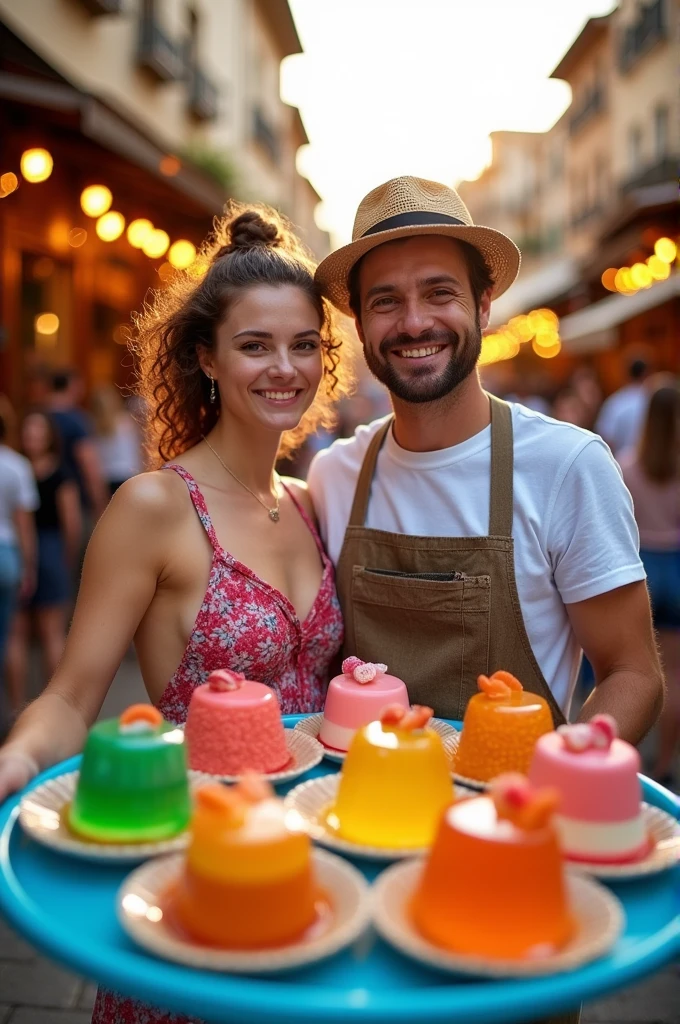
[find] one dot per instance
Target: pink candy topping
(597, 734)
(362, 671)
(224, 680)
(516, 800)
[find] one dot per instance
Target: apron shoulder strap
(501, 498)
(363, 488)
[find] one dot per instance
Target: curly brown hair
(250, 245)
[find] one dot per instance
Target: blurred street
(34, 990)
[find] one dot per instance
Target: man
(622, 415)
(471, 535)
(79, 453)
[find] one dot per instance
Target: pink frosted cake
(600, 817)
(234, 726)
(356, 698)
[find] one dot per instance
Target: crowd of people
(59, 466)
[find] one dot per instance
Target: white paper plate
(312, 799)
(41, 814)
(665, 832)
(599, 915)
(142, 918)
(311, 726)
(305, 751)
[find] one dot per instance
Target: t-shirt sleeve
(592, 539)
(29, 498)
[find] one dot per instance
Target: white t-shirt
(622, 417)
(17, 490)
(574, 531)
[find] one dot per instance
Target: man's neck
(431, 426)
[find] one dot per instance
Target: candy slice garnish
(416, 718)
(140, 718)
(392, 714)
(223, 680)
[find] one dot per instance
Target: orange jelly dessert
(248, 881)
(493, 884)
(501, 726)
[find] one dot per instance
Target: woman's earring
(212, 389)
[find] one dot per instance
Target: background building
(591, 197)
(173, 106)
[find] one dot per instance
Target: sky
(390, 87)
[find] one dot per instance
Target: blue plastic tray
(66, 908)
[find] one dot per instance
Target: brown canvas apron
(440, 610)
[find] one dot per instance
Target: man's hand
(616, 633)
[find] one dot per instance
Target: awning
(594, 327)
(103, 125)
(535, 290)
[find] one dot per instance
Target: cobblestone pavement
(34, 990)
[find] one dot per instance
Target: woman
(116, 437)
(58, 525)
(212, 561)
(652, 474)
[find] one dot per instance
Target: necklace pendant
(274, 515)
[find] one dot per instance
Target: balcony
(642, 34)
(204, 96)
(103, 6)
(655, 174)
(158, 53)
(265, 135)
(591, 106)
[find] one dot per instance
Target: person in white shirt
(622, 416)
(472, 535)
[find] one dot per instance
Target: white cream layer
(589, 838)
(337, 736)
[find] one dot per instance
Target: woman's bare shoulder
(159, 496)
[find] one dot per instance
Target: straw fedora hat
(408, 206)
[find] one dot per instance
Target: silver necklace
(272, 512)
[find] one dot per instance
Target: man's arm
(616, 633)
(87, 458)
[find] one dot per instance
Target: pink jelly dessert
(234, 726)
(600, 817)
(356, 698)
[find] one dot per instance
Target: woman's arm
(24, 523)
(124, 560)
(70, 519)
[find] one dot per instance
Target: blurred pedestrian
(652, 473)
(622, 414)
(568, 408)
(586, 385)
(117, 437)
(78, 450)
(58, 525)
(18, 500)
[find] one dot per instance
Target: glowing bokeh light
(170, 166)
(46, 323)
(665, 249)
(36, 165)
(8, 183)
(609, 279)
(110, 226)
(77, 237)
(547, 352)
(624, 282)
(659, 270)
(95, 200)
(138, 232)
(156, 245)
(182, 253)
(641, 275)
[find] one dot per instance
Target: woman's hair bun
(249, 230)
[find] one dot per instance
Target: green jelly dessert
(133, 785)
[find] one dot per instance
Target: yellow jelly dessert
(395, 782)
(500, 728)
(248, 881)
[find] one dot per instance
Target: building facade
(171, 105)
(594, 195)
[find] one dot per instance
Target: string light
(46, 323)
(110, 226)
(182, 254)
(665, 249)
(540, 326)
(36, 165)
(95, 200)
(138, 232)
(156, 245)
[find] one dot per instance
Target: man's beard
(423, 383)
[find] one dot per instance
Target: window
(661, 132)
(634, 147)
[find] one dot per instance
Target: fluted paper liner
(305, 751)
(599, 915)
(142, 919)
(311, 726)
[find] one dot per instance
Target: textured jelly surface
(132, 786)
(500, 735)
(490, 888)
(393, 788)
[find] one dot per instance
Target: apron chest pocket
(442, 622)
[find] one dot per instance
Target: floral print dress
(246, 625)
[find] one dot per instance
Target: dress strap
(198, 502)
(311, 525)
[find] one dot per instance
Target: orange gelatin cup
(499, 735)
(491, 889)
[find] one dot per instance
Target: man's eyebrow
(380, 289)
(425, 282)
